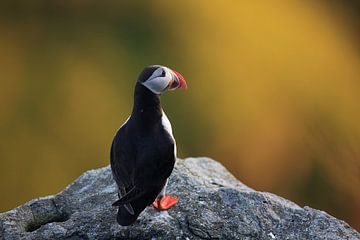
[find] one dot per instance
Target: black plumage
(142, 153)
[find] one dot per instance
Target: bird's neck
(146, 103)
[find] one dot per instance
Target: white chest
(167, 126)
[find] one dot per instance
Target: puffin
(143, 151)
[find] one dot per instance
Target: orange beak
(180, 79)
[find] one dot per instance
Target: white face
(160, 80)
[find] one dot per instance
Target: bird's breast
(167, 127)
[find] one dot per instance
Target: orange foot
(164, 203)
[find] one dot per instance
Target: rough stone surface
(213, 205)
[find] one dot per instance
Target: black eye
(163, 73)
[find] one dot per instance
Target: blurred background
(274, 91)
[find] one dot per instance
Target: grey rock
(213, 205)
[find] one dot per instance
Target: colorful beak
(180, 79)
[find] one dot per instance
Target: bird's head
(159, 79)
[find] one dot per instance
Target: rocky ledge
(213, 205)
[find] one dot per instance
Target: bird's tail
(127, 206)
(124, 217)
(132, 204)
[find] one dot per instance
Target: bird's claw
(165, 203)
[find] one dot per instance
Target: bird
(143, 151)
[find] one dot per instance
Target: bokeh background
(273, 91)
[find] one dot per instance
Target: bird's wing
(120, 168)
(121, 162)
(130, 196)
(127, 206)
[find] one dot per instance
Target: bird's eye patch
(163, 73)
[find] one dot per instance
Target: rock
(213, 205)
